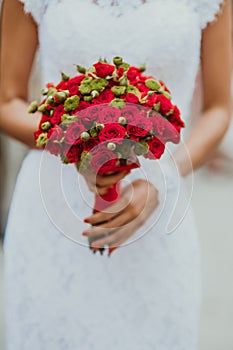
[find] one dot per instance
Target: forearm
(17, 122)
(202, 140)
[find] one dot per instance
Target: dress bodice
(163, 34)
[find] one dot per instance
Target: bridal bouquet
(104, 118)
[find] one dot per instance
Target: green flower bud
(64, 76)
(71, 103)
(117, 61)
(50, 100)
(142, 68)
(81, 69)
(156, 107)
(68, 119)
(87, 80)
(61, 95)
(118, 102)
(42, 140)
(141, 148)
(42, 108)
(111, 146)
(118, 90)
(33, 107)
(51, 113)
(122, 120)
(99, 127)
(153, 84)
(133, 90)
(85, 136)
(93, 132)
(85, 89)
(45, 126)
(170, 113)
(125, 65)
(51, 91)
(95, 94)
(44, 91)
(87, 98)
(124, 81)
(99, 84)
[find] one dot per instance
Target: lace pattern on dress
(208, 11)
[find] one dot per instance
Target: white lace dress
(147, 294)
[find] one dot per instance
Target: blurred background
(213, 205)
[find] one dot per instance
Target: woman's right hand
(100, 184)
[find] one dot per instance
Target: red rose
(143, 88)
(109, 115)
(140, 127)
(105, 97)
(151, 100)
(103, 161)
(91, 144)
(63, 85)
(156, 148)
(55, 134)
(165, 104)
(73, 133)
(73, 153)
(164, 130)
(73, 90)
(58, 113)
(82, 105)
(112, 131)
(165, 87)
(131, 98)
(50, 85)
(130, 112)
(89, 115)
(76, 80)
(133, 73)
(104, 69)
(120, 72)
(176, 120)
(54, 148)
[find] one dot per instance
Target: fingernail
(111, 250)
(86, 221)
(85, 233)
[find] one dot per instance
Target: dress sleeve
(36, 8)
(208, 10)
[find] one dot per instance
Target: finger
(109, 213)
(109, 227)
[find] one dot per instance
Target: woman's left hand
(122, 219)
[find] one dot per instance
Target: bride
(147, 294)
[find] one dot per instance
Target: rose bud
(153, 84)
(87, 98)
(45, 126)
(51, 91)
(85, 136)
(122, 120)
(99, 127)
(61, 95)
(95, 94)
(42, 140)
(71, 103)
(44, 91)
(117, 61)
(111, 146)
(81, 69)
(64, 76)
(42, 108)
(33, 107)
(50, 100)
(51, 113)
(142, 68)
(93, 132)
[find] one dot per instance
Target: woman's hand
(100, 184)
(122, 219)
